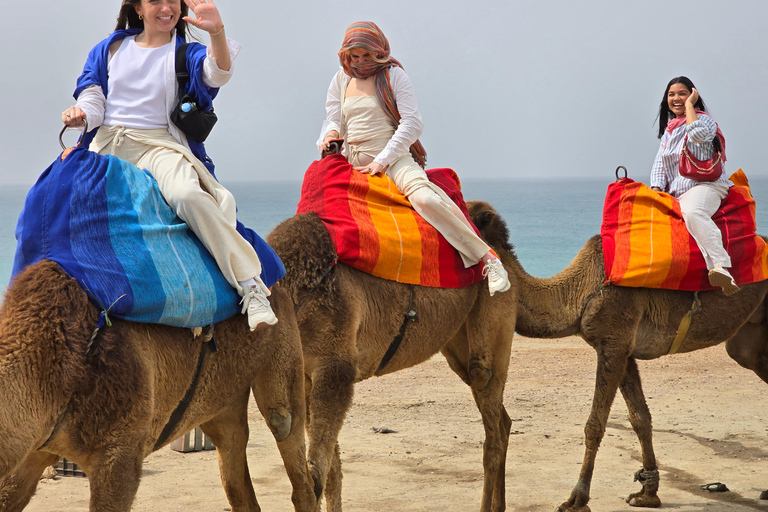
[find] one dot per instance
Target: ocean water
(549, 220)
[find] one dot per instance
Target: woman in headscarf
(371, 104)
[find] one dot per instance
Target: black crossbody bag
(187, 115)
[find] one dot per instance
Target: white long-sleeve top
(665, 172)
(407, 132)
(94, 103)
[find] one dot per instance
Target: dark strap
(184, 404)
(182, 74)
(410, 316)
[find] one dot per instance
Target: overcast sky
(507, 89)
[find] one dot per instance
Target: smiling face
(676, 97)
(160, 16)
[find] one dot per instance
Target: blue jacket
(95, 72)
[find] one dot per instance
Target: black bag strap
(182, 74)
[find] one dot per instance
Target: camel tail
(45, 320)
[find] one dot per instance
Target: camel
(625, 324)
(348, 319)
(105, 408)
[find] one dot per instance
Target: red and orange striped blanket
(646, 243)
(376, 230)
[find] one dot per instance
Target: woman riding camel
(683, 113)
(372, 105)
(128, 90)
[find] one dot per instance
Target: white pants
(189, 189)
(698, 205)
(433, 204)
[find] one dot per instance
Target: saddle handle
(61, 134)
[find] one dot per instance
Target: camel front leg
(611, 366)
(328, 402)
(17, 488)
(640, 418)
(114, 476)
(333, 483)
(228, 431)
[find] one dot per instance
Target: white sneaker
(498, 279)
(721, 278)
(256, 304)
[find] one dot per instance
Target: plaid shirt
(665, 174)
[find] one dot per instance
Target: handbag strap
(182, 74)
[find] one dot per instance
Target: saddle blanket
(106, 224)
(646, 243)
(375, 229)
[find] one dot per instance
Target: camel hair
(348, 319)
(625, 324)
(105, 409)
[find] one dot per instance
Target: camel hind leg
(749, 347)
(480, 357)
(640, 418)
(17, 488)
(279, 393)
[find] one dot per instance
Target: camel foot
(572, 506)
(641, 500)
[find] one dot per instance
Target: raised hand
(207, 16)
(693, 98)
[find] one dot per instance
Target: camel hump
(306, 249)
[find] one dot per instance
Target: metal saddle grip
(65, 149)
(335, 147)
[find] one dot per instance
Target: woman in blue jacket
(126, 93)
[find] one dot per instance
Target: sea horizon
(549, 219)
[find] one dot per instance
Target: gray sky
(507, 89)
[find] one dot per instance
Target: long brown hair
(128, 18)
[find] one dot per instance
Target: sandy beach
(710, 425)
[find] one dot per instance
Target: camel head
(492, 227)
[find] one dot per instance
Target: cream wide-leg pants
(429, 200)
(189, 189)
(698, 205)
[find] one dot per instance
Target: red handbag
(700, 170)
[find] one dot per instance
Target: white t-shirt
(137, 94)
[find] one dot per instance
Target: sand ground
(710, 418)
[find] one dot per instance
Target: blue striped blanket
(106, 224)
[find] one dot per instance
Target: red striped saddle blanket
(375, 229)
(646, 243)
